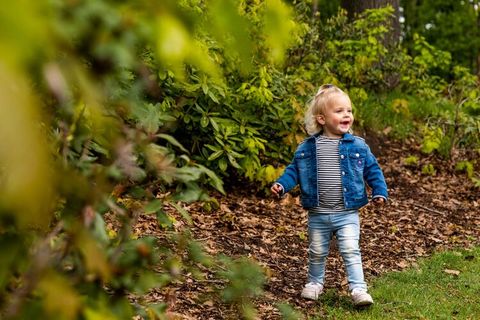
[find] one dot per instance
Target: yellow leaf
(103, 314)
(61, 301)
(26, 173)
(95, 259)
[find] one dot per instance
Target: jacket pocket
(357, 159)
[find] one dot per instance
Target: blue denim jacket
(357, 164)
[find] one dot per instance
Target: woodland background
(117, 112)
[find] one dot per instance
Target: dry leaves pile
(424, 213)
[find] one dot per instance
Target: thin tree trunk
(355, 7)
(314, 7)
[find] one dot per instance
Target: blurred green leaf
(153, 206)
(172, 140)
(279, 28)
(27, 181)
(232, 28)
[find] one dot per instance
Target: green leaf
(215, 155)
(213, 97)
(222, 164)
(214, 124)
(153, 206)
(204, 121)
(215, 181)
(234, 162)
(164, 220)
(205, 88)
(183, 212)
(213, 148)
(172, 140)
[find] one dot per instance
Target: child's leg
(348, 236)
(319, 236)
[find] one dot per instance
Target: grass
(431, 290)
(401, 113)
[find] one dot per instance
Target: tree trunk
(355, 7)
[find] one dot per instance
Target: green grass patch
(445, 286)
(402, 114)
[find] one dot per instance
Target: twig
(429, 209)
(41, 259)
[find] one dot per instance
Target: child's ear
(320, 119)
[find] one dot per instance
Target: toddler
(331, 167)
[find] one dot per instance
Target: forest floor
(425, 213)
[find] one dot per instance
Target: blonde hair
(324, 96)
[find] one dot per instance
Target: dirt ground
(424, 214)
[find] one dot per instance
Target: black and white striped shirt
(329, 178)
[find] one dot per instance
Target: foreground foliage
(90, 96)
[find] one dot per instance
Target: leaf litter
(424, 214)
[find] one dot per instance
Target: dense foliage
(128, 108)
(448, 25)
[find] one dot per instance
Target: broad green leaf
(213, 97)
(213, 148)
(27, 174)
(172, 140)
(204, 121)
(173, 42)
(153, 206)
(279, 28)
(215, 181)
(233, 161)
(214, 124)
(229, 26)
(94, 255)
(215, 155)
(222, 164)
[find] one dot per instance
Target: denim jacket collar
(346, 137)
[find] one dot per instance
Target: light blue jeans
(346, 228)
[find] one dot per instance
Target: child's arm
(373, 175)
(287, 180)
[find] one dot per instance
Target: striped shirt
(329, 178)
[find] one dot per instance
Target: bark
(355, 7)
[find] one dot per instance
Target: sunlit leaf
(232, 28)
(95, 259)
(279, 28)
(61, 300)
(27, 176)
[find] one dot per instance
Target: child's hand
(379, 201)
(276, 189)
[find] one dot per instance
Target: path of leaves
(424, 213)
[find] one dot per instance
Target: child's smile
(337, 118)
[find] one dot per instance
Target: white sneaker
(312, 291)
(361, 298)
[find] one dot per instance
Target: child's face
(337, 118)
